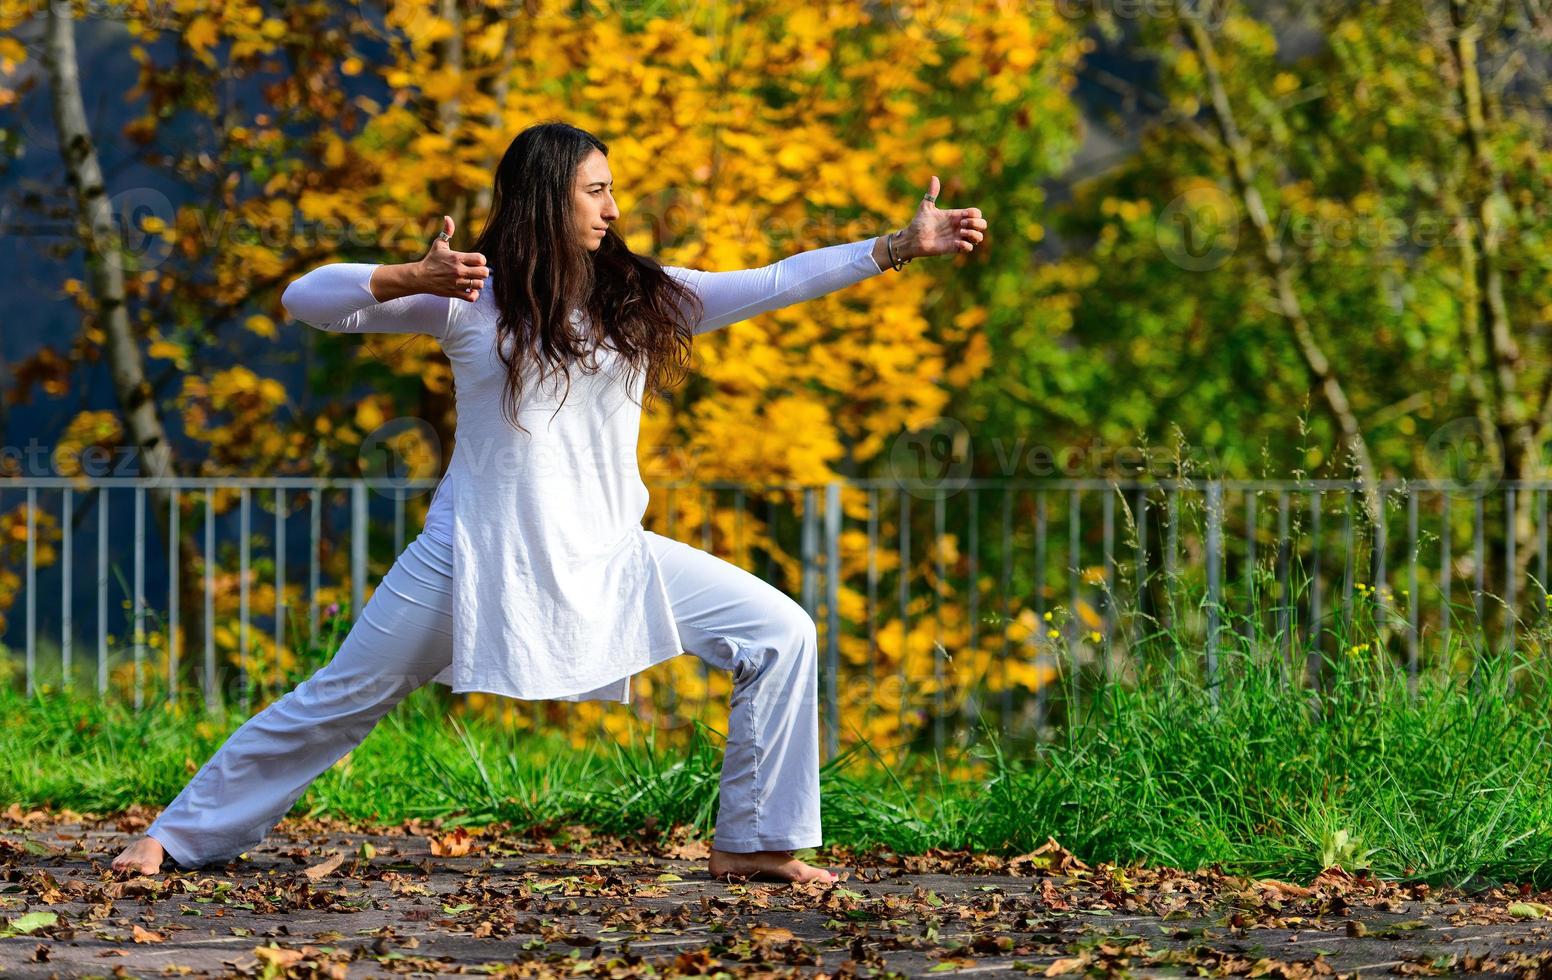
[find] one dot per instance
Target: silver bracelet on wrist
(894, 263)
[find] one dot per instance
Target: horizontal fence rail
(940, 607)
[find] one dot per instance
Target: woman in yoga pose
(533, 576)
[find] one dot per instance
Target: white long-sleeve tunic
(557, 595)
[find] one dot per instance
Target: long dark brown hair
(540, 272)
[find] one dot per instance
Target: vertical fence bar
(210, 598)
(873, 666)
(139, 597)
(102, 591)
(1446, 573)
(314, 542)
(1541, 549)
(280, 584)
(1381, 542)
(357, 546)
(32, 589)
(1510, 533)
(1312, 658)
(1479, 576)
(773, 520)
(809, 543)
(1041, 694)
(1107, 537)
(1348, 545)
(1007, 589)
(1479, 557)
(938, 672)
(398, 523)
(245, 530)
(1214, 599)
(832, 618)
(174, 538)
(905, 596)
(1285, 552)
(1539, 505)
(1140, 587)
(1252, 620)
(975, 601)
(67, 590)
(1171, 570)
(708, 546)
(1074, 573)
(739, 558)
(1414, 638)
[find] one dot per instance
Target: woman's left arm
(728, 297)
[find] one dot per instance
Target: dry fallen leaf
(771, 934)
(322, 868)
(279, 957)
(455, 844)
(1284, 888)
(1072, 964)
(147, 936)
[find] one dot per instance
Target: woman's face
(593, 200)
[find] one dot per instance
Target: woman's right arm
(339, 297)
(408, 297)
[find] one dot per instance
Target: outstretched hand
(937, 231)
(444, 272)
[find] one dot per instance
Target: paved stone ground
(332, 900)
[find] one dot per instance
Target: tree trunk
(105, 279)
(1487, 313)
(1278, 268)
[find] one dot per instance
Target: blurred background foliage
(1253, 239)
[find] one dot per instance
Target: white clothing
(768, 794)
(557, 594)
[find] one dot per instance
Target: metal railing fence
(936, 604)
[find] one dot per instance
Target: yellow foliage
(369, 414)
(261, 325)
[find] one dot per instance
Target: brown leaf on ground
(1049, 856)
(322, 868)
(1071, 964)
(456, 844)
(1284, 888)
(147, 936)
(771, 934)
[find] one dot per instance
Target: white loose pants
(733, 620)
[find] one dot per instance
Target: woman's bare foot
(144, 855)
(766, 866)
